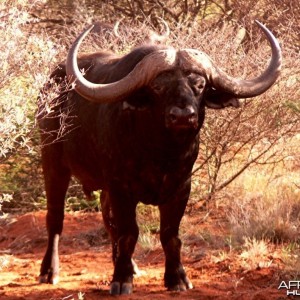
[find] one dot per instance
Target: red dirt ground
(85, 262)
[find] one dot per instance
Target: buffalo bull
(135, 135)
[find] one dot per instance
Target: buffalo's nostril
(173, 117)
(175, 113)
(190, 111)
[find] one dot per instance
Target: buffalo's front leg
(171, 213)
(124, 232)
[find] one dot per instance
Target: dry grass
(264, 201)
(148, 220)
(255, 254)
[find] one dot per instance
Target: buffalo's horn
(142, 74)
(116, 28)
(158, 38)
(238, 87)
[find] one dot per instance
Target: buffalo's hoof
(117, 288)
(49, 278)
(183, 286)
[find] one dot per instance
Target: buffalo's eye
(198, 86)
(158, 89)
(197, 82)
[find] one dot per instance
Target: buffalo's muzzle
(181, 118)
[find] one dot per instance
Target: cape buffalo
(134, 134)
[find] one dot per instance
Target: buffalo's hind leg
(57, 180)
(110, 225)
(171, 214)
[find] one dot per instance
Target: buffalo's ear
(219, 99)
